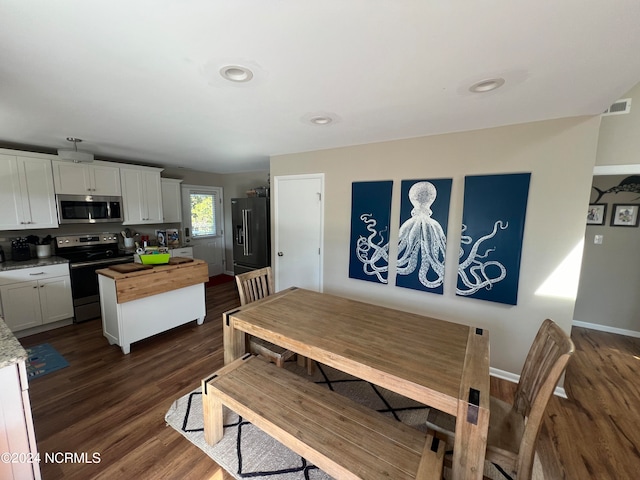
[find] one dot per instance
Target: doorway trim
(631, 169)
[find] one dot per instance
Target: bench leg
(213, 421)
(432, 463)
(307, 363)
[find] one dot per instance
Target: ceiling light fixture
(236, 73)
(486, 85)
(74, 155)
(321, 120)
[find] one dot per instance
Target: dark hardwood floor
(114, 404)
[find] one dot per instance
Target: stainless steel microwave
(89, 209)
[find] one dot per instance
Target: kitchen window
(203, 214)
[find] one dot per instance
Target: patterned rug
(43, 359)
(247, 452)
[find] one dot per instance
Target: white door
(203, 220)
(298, 223)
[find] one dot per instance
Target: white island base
(125, 323)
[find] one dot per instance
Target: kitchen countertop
(11, 351)
(34, 262)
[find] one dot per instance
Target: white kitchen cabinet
(186, 252)
(27, 198)
(141, 195)
(171, 200)
(35, 296)
(96, 178)
(16, 422)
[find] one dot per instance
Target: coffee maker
(20, 250)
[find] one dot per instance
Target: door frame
(186, 215)
(276, 241)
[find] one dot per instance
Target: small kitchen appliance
(89, 209)
(20, 249)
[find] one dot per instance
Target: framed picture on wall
(596, 214)
(625, 215)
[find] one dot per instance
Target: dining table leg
(233, 340)
(470, 442)
(472, 416)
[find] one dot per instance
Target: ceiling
(139, 80)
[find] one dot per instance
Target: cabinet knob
(280, 254)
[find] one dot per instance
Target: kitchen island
(138, 304)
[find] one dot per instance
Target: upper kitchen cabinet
(96, 178)
(171, 200)
(27, 198)
(141, 195)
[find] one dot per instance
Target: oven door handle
(105, 262)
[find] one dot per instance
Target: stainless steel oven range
(86, 254)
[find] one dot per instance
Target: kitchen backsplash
(7, 235)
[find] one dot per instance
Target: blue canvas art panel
(370, 215)
(493, 219)
(422, 238)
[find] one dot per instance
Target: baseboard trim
(512, 377)
(606, 328)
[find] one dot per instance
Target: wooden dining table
(441, 364)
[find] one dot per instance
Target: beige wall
(610, 277)
(560, 154)
(619, 138)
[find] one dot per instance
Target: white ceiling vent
(619, 108)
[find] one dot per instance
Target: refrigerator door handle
(247, 231)
(244, 232)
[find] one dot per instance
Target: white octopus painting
(370, 216)
(491, 242)
(422, 242)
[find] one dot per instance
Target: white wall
(560, 154)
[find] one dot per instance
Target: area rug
(43, 359)
(247, 452)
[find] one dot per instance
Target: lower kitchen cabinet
(27, 303)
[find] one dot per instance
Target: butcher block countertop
(159, 279)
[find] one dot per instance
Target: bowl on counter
(155, 259)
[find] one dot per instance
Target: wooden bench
(341, 437)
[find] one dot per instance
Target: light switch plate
(598, 239)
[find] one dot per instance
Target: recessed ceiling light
(321, 120)
(236, 73)
(486, 85)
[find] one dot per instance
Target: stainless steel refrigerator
(251, 234)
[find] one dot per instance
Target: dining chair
(253, 286)
(514, 428)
